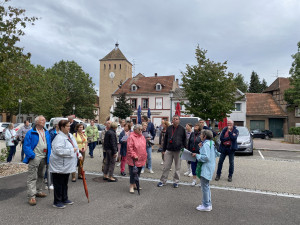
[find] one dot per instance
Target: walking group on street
(61, 148)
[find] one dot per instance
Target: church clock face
(112, 75)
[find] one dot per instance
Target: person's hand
(200, 144)
(115, 155)
(136, 158)
(194, 154)
(80, 158)
(83, 150)
(229, 128)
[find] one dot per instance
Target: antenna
(277, 74)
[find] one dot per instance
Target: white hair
(38, 118)
(230, 120)
(137, 126)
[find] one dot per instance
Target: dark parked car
(264, 134)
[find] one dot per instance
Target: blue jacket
(208, 154)
(30, 142)
(123, 150)
(151, 129)
(233, 138)
(52, 133)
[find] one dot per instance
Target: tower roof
(115, 54)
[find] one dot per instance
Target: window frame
(142, 103)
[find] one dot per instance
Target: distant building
(149, 92)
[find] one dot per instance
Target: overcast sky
(161, 36)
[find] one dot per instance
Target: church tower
(114, 68)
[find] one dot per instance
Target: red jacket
(136, 147)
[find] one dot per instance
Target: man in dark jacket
(228, 146)
(175, 140)
(111, 148)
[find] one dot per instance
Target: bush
(4, 154)
(294, 131)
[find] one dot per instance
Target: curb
(278, 150)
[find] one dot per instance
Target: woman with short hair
(63, 161)
(10, 137)
(136, 153)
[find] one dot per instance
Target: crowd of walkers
(61, 148)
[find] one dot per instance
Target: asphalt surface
(111, 203)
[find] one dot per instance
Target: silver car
(244, 141)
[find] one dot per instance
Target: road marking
(261, 155)
(279, 194)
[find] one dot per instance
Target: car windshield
(243, 131)
(4, 125)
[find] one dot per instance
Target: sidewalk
(275, 144)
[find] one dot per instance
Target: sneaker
(160, 184)
(190, 174)
(118, 164)
(162, 163)
(151, 171)
(68, 202)
(175, 185)
(142, 171)
(123, 174)
(41, 195)
(51, 187)
(217, 178)
(194, 183)
(230, 179)
(203, 208)
(186, 173)
(59, 206)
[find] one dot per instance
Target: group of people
(65, 144)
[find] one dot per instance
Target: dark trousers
(92, 146)
(231, 163)
(110, 162)
(12, 151)
(60, 183)
(131, 173)
(22, 152)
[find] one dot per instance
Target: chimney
(177, 81)
(155, 74)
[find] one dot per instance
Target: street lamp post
(74, 109)
(20, 102)
(171, 105)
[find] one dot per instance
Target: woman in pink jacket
(136, 153)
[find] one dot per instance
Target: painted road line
(261, 155)
(255, 191)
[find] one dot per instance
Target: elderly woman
(63, 161)
(123, 141)
(10, 137)
(111, 148)
(81, 140)
(136, 153)
(207, 156)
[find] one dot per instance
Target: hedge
(294, 131)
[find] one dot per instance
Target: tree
(240, 83)
(123, 109)
(209, 88)
(79, 88)
(255, 86)
(12, 58)
(292, 95)
(263, 85)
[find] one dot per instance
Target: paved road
(111, 203)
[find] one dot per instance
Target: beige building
(114, 70)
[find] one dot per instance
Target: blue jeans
(231, 163)
(92, 146)
(149, 158)
(12, 151)
(206, 194)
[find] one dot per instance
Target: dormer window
(158, 86)
(133, 87)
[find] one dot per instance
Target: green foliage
(4, 154)
(12, 23)
(240, 83)
(255, 85)
(123, 109)
(209, 88)
(294, 131)
(292, 95)
(79, 89)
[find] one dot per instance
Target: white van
(192, 120)
(61, 118)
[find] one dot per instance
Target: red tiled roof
(281, 83)
(147, 85)
(263, 104)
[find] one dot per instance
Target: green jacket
(92, 132)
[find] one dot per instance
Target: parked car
(264, 134)
(244, 141)
(2, 129)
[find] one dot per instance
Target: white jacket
(63, 159)
(10, 136)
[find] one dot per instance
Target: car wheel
(251, 153)
(267, 137)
